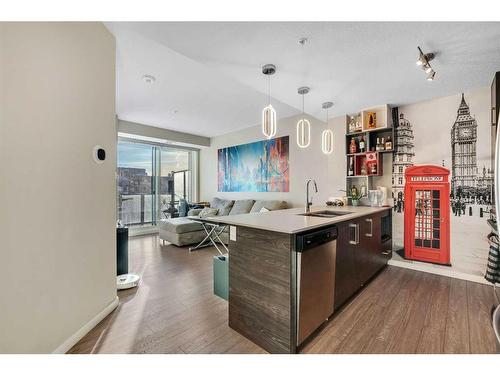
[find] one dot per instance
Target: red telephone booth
(427, 214)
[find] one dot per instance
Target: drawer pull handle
(370, 234)
(386, 252)
(356, 234)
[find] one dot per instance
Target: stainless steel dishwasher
(316, 253)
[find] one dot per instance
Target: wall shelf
(378, 130)
(371, 136)
(381, 116)
(380, 152)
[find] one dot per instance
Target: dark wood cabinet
(363, 248)
(265, 270)
(346, 281)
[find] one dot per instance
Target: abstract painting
(254, 167)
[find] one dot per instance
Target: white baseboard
(443, 271)
(78, 335)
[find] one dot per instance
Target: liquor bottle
(388, 143)
(351, 167)
(362, 144)
(352, 147)
(364, 169)
(377, 147)
(382, 144)
(354, 191)
(358, 124)
(352, 125)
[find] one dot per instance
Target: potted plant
(355, 195)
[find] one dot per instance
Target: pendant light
(303, 125)
(268, 113)
(327, 135)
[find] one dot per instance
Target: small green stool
(221, 276)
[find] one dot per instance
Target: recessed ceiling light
(302, 41)
(148, 78)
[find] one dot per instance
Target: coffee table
(213, 230)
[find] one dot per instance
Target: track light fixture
(423, 61)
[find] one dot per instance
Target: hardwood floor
(401, 311)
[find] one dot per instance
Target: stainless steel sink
(325, 213)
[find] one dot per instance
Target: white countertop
(289, 220)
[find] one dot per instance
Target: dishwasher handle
(319, 237)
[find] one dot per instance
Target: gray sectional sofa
(182, 231)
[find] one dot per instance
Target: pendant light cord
(269, 89)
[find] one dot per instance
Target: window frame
(193, 166)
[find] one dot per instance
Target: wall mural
(254, 167)
(452, 132)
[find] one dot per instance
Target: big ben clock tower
(463, 149)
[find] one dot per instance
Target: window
(152, 181)
(176, 170)
(135, 184)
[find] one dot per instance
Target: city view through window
(151, 182)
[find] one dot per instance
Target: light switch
(232, 233)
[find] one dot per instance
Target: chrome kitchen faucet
(309, 201)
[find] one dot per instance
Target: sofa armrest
(194, 211)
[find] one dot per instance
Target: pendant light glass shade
(268, 113)
(269, 122)
(303, 125)
(327, 135)
(327, 141)
(303, 133)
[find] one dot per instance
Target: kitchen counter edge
(291, 222)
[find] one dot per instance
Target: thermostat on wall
(99, 154)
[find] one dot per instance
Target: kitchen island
(289, 271)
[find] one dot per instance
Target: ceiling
(209, 80)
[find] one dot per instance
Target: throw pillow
(223, 205)
(207, 211)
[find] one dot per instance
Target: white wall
(327, 170)
(152, 132)
(57, 207)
